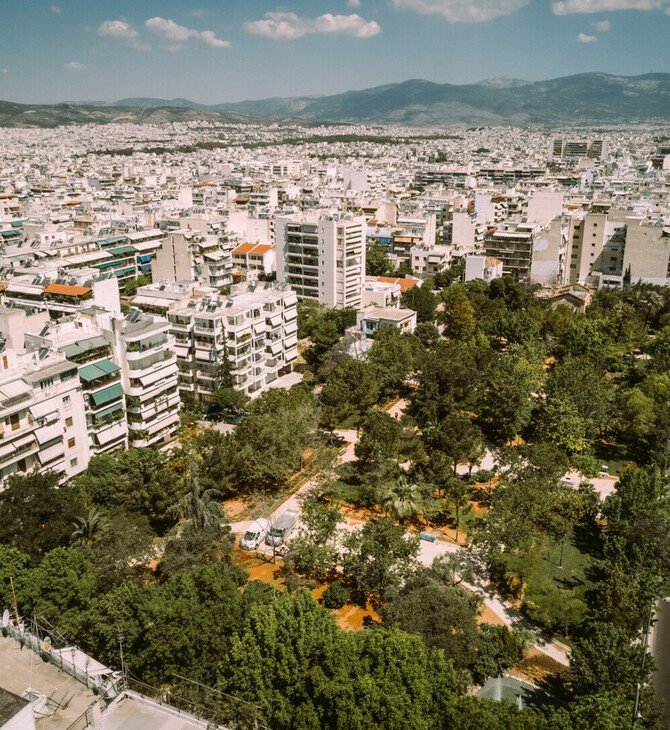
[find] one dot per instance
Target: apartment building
(144, 348)
(83, 342)
(512, 243)
(323, 258)
(254, 329)
(189, 256)
(42, 414)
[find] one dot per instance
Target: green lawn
(554, 595)
(614, 455)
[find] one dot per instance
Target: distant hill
(591, 98)
(47, 116)
(584, 99)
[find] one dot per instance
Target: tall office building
(323, 258)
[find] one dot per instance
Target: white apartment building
(42, 416)
(256, 328)
(323, 258)
(145, 350)
(189, 256)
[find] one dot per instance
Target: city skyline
(212, 52)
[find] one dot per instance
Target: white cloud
(117, 29)
(55, 9)
(583, 38)
(120, 30)
(179, 34)
(353, 3)
(463, 11)
(603, 25)
(75, 66)
(288, 26)
(564, 7)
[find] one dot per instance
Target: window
(46, 383)
(74, 462)
(66, 401)
(71, 443)
(68, 421)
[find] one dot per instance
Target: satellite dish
(47, 643)
(5, 619)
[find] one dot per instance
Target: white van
(255, 534)
(282, 528)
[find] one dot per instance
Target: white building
(42, 416)
(323, 258)
(255, 329)
(483, 267)
(370, 319)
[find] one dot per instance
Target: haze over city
(212, 52)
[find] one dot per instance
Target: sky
(215, 51)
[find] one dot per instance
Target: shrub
(335, 596)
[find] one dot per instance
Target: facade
(323, 258)
(255, 329)
(42, 415)
(482, 267)
(513, 245)
(144, 348)
(370, 319)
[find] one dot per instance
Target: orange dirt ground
(537, 668)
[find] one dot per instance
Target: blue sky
(229, 50)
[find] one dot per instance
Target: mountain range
(582, 99)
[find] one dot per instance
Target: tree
(271, 440)
(458, 496)
(348, 393)
(422, 301)
(393, 356)
(89, 529)
(199, 509)
(36, 516)
(402, 500)
(458, 314)
(14, 567)
(60, 589)
(229, 399)
(377, 262)
(384, 437)
(444, 616)
(378, 557)
(315, 547)
(457, 437)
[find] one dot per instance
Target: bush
(587, 465)
(335, 596)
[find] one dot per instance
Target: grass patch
(615, 456)
(555, 589)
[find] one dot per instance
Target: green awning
(107, 395)
(10, 234)
(122, 251)
(124, 272)
(109, 241)
(89, 373)
(84, 346)
(99, 415)
(107, 264)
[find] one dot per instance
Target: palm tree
(402, 500)
(89, 528)
(199, 508)
(458, 496)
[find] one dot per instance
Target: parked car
(282, 528)
(232, 418)
(214, 412)
(255, 534)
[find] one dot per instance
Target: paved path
(428, 550)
